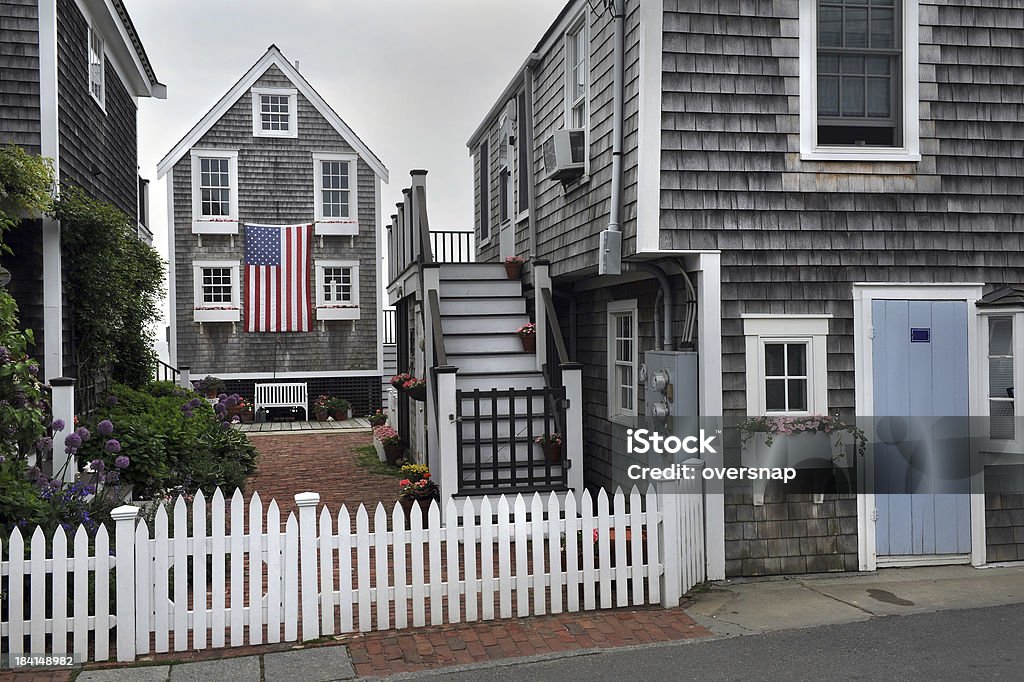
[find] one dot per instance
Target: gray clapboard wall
(275, 177)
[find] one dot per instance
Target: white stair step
(472, 271)
(481, 288)
(482, 343)
(467, 382)
(511, 362)
(479, 306)
(483, 324)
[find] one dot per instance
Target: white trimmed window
(216, 291)
(577, 74)
(274, 112)
(859, 80)
(335, 193)
(337, 289)
(214, 191)
(97, 64)
(786, 364)
(623, 359)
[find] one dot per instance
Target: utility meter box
(670, 387)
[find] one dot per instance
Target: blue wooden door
(921, 452)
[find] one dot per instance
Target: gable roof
(273, 57)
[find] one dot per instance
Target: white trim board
(864, 293)
(648, 180)
(374, 373)
(273, 57)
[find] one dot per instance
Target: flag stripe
(277, 278)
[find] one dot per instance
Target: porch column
(541, 281)
(709, 345)
(572, 379)
(431, 282)
(124, 569)
(62, 402)
(447, 436)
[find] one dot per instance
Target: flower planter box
(808, 450)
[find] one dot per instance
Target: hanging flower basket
(528, 334)
(416, 388)
(551, 445)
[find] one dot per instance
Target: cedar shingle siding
(19, 74)
(275, 177)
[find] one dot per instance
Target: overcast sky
(412, 78)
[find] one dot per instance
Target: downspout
(610, 257)
(667, 302)
(531, 191)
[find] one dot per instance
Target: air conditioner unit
(564, 154)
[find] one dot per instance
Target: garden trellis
(230, 572)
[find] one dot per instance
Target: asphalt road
(976, 644)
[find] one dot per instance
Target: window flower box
(337, 227)
(337, 312)
(217, 314)
(215, 226)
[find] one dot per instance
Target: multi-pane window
(785, 376)
(214, 187)
(217, 286)
(1001, 399)
(337, 285)
(859, 59)
(334, 176)
(577, 72)
(275, 113)
(96, 65)
(623, 360)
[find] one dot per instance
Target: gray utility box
(670, 387)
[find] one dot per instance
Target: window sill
(215, 226)
(288, 134)
(859, 154)
(216, 315)
(623, 419)
(336, 229)
(337, 313)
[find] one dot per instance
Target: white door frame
(864, 293)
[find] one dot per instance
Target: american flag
(277, 259)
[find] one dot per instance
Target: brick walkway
(321, 463)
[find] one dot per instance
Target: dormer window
(274, 112)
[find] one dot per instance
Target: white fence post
(447, 436)
(310, 596)
(185, 377)
(572, 379)
(63, 404)
(541, 280)
(124, 537)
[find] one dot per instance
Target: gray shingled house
(274, 242)
(71, 75)
(807, 207)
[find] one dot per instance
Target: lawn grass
(368, 459)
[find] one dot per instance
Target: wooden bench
(282, 395)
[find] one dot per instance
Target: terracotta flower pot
(245, 417)
(553, 452)
(393, 453)
(408, 502)
(321, 416)
(529, 343)
(340, 415)
(513, 270)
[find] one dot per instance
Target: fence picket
(81, 598)
(290, 579)
(15, 596)
(604, 549)
(621, 545)
(237, 545)
(345, 568)
(522, 570)
(588, 548)
(326, 574)
(255, 570)
(274, 550)
(636, 545)
(60, 591)
(469, 557)
(181, 578)
(504, 584)
(37, 592)
(654, 558)
(451, 544)
(161, 621)
(418, 591)
(400, 543)
(101, 595)
(380, 555)
(436, 578)
(143, 588)
(199, 590)
(572, 574)
(487, 554)
(363, 567)
(537, 545)
(217, 549)
(554, 552)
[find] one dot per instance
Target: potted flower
(391, 441)
(528, 333)
(417, 488)
(416, 387)
(551, 444)
(400, 379)
(341, 409)
(378, 418)
(322, 408)
(210, 386)
(514, 266)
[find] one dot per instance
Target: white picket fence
(217, 574)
